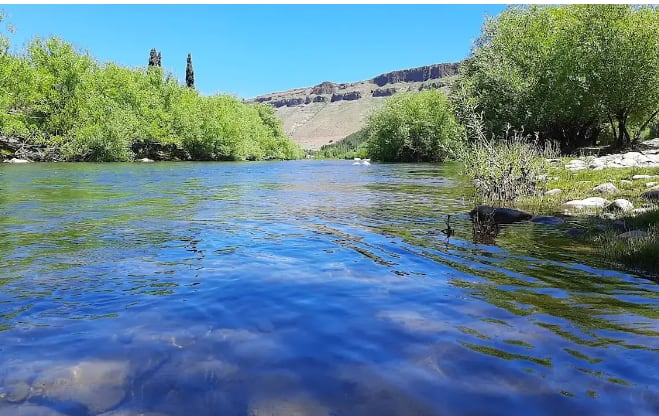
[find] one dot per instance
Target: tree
(189, 73)
(414, 127)
(564, 71)
(155, 58)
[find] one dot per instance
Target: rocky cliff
(329, 111)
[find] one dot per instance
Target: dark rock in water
(499, 215)
(653, 194)
(575, 232)
(548, 220)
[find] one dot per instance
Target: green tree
(414, 127)
(565, 70)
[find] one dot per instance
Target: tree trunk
(623, 139)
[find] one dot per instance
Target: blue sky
(248, 50)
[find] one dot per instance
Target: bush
(414, 127)
(506, 169)
(87, 111)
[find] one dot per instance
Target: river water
(303, 288)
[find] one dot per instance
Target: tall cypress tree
(153, 57)
(159, 59)
(189, 73)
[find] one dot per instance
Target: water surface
(303, 288)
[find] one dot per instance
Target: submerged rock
(499, 215)
(97, 385)
(548, 220)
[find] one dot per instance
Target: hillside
(328, 112)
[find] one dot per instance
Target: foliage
(414, 127)
(349, 147)
(104, 112)
(507, 169)
(564, 71)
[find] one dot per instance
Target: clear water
(302, 288)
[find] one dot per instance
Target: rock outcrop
(383, 92)
(324, 88)
(419, 74)
(347, 96)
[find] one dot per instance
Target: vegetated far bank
(58, 104)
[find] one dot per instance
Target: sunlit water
(303, 288)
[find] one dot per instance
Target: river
(303, 288)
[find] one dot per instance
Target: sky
(249, 50)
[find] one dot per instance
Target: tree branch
(637, 136)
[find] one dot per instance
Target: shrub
(414, 127)
(506, 169)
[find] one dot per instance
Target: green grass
(637, 254)
(579, 185)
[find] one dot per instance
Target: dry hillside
(328, 112)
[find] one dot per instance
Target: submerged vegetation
(62, 100)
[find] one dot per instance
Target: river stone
(652, 194)
(548, 220)
(606, 188)
(97, 385)
(626, 182)
(554, 191)
(628, 162)
(633, 234)
(145, 160)
(499, 215)
(576, 164)
(28, 410)
(631, 155)
(636, 177)
(14, 160)
(15, 392)
(553, 160)
(592, 202)
(575, 232)
(619, 224)
(619, 205)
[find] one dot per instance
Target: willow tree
(565, 71)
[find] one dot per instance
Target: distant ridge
(327, 112)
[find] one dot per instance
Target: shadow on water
(302, 288)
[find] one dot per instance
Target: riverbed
(303, 288)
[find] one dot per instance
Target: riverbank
(618, 193)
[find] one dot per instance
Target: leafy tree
(414, 127)
(564, 70)
(82, 110)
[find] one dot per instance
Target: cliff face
(329, 111)
(421, 74)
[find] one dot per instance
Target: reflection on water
(302, 288)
